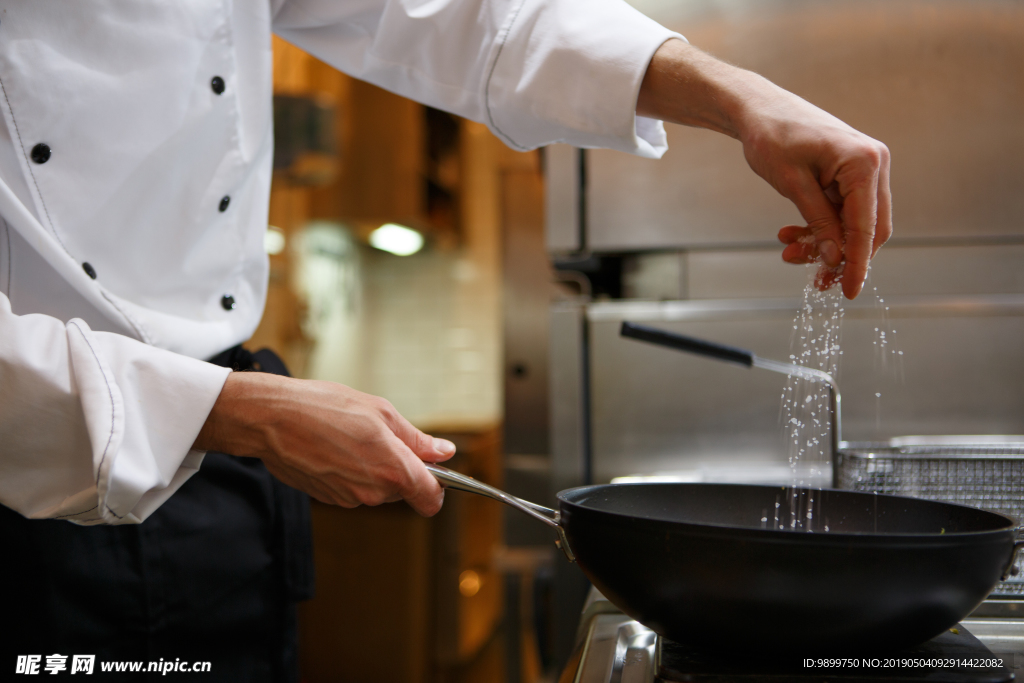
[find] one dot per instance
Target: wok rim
(788, 535)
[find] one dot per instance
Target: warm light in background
(273, 240)
(396, 239)
(469, 583)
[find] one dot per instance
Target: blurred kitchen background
(480, 290)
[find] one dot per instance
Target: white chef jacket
(134, 192)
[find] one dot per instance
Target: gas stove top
(613, 648)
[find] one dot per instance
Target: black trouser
(213, 575)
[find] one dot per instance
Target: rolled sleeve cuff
(144, 408)
(570, 72)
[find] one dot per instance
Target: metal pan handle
(450, 479)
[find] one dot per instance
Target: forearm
(686, 86)
(239, 418)
(837, 177)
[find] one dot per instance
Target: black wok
(693, 563)
(778, 569)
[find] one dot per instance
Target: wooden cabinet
(382, 149)
(369, 619)
(403, 598)
(467, 540)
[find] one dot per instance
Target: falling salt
(805, 409)
(886, 347)
(815, 344)
(888, 356)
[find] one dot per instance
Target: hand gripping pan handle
(450, 479)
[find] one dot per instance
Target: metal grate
(984, 476)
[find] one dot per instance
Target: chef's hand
(837, 177)
(339, 445)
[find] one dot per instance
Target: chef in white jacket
(135, 165)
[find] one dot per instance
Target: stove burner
(613, 648)
(679, 663)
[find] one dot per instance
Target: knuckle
(387, 411)
(424, 442)
(398, 479)
(883, 151)
(371, 497)
(335, 496)
(872, 153)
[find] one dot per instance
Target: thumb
(822, 219)
(426, 447)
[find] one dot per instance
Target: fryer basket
(987, 475)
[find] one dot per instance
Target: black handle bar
(683, 343)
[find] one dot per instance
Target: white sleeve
(535, 71)
(95, 427)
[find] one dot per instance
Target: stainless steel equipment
(939, 83)
(694, 233)
(985, 475)
(621, 408)
(613, 648)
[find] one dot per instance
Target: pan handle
(450, 479)
(701, 347)
(1011, 570)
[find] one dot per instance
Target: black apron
(213, 575)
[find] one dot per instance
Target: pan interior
(779, 508)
